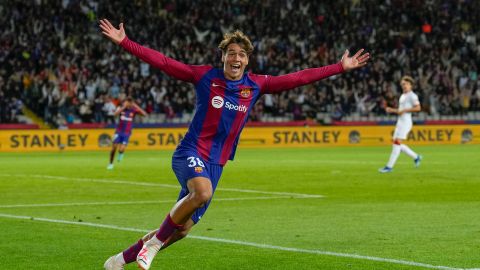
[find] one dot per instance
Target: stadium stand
(54, 61)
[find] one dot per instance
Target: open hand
(114, 34)
(356, 61)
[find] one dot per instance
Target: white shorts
(401, 131)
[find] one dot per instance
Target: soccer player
(225, 98)
(408, 103)
(127, 112)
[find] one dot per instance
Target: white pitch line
(341, 163)
(243, 243)
(140, 202)
(124, 182)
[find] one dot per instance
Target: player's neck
(232, 78)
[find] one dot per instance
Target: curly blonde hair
(237, 37)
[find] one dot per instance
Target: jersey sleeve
(174, 68)
(414, 100)
(275, 84)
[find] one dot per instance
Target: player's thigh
(189, 167)
(200, 185)
(401, 131)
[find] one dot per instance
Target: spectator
(109, 108)
(60, 59)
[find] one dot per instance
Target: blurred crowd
(55, 62)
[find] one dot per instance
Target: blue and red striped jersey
(125, 122)
(222, 110)
(223, 105)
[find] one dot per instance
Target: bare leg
(200, 192)
(112, 152)
(176, 225)
(200, 189)
(121, 148)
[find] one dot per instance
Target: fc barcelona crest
(245, 92)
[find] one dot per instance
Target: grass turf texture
(427, 215)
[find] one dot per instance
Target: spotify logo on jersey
(217, 102)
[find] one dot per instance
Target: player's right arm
(174, 68)
(119, 110)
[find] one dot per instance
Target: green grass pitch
(66, 211)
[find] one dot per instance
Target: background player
(127, 112)
(225, 98)
(408, 103)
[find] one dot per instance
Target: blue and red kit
(222, 109)
(223, 105)
(124, 126)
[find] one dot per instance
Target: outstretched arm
(173, 68)
(274, 84)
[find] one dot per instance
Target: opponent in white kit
(408, 103)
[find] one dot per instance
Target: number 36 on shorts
(195, 161)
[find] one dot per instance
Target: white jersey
(407, 101)
(404, 122)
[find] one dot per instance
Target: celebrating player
(225, 98)
(408, 103)
(127, 112)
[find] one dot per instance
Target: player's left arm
(415, 108)
(275, 84)
(140, 110)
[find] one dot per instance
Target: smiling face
(235, 60)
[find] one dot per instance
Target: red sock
(167, 228)
(130, 254)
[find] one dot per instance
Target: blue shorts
(121, 138)
(187, 165)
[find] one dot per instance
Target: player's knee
(202, 197)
